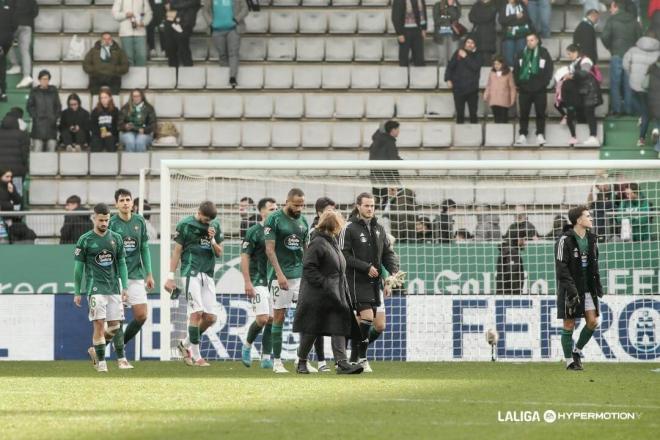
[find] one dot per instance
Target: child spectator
(500, 93)
(104, 120)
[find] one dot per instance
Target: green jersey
(290, 236)
(254, 245)
(197, 256)
(134, 234)
(583, 248)
(100, 255)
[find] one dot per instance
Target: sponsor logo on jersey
(104, 258)
(292, 242)
(77, 251)
(205, 243)
(130, 244)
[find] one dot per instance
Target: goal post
(454, 222)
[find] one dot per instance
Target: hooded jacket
(105, 73)
(638, 59)
(14, 147)
(621, 32)
(483, 16)
(539, 82)
(44, 108)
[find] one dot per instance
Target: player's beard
(295, 215)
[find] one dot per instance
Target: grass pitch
(166, 400)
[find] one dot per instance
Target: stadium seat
(250, 77)
(197, 105)
(44, 192)
(555, 196)
(285, 2)
(132, 163)
(410, 135)
(319, 105)
(201, 25)
(226, 134)
(313, 22)
(73, 77)
(371, 22)
(391, 49)
(393, 77)
(440, 106)
(156, 157)
(552, 46)
(255, 134)
(368, 49)
(227, 106)
(169, 106)
(43, 164)
(342, 22)
(430, 54)
(281, 49)
(309, 49)
(365, 77)
(336, 77)
(423, 77)
(315, 2)
(289, 105)
(48, 21)
(499, 135)
(103, 164)
(103, 2)
(217, 77)
(196, 134)
(199, 47)
(410, 106)
(349, 106)
(258, 106)
(316, 135)
(252, 49)
(467, 135)
(136, 78)
(339, 49)
(74, 164)
(285, 135)
(346, 135)
(104, 22)
(307, 77)
(376, 3)
(278, 77)
(486, 194)
(557, 20)
(379, 106)
(442, 84)
(69, 187)
(436, 134)
(345, 2)
(78, 23)
(191, 78)
(47, 48)
(257, 22)
(101, 191)
(283, 22)
(161, 77)
(483, 77)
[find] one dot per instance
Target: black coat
(8, 199)
(443, 226)
(538, 82)
(20, 233)
(100, 118)
(464, 73)
(14, 147)
(510, 277)
(383, 147)
(44, 108)
(186, 12)
(74, 226)
(80, 118)
(568, 266)
(585, 37)
(363, 249)
(324, 304)
(399, 15)
(482, 16)
(403, 208)
(25, 13)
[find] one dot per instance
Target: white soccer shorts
(262, 303)
(105, 307)
(283, 299)
(137, 292)
(201, 294)
(381, 307)
(589, 302)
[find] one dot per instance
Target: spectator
(383, 147)
(652, 87)
(510, 270)
(445, 14)
(400, 210)
(581, 92)
(151, 230)
(462, 235)
(588, 5)
(443, 225)
(488, 227)
(10, 199)
(18, 113)
(105, 63)
(516, 24)
(19, 232)
(655, 22)
(482, 16)
(74, 125)
(133, 17)
(227, 20)
(585, 35)
(539, 15)
(7, 28)
(180, 18)
(423, 230)
(137, 122)
(462, 76)
(248, 214)
(636, 63)
(633, 215)
(104, 122)
(156, 24)
(24, 14)
(409, 19)
(44, 108)
(75, 225)
(500, 93)
(532, 72)
(14, 149)
(559, 224)
(522, 224)
(621, 32)
(601, 205)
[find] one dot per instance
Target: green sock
(267, 340)
(373, 334)
(253, 332)
(193, 334)
(567, 343)
(118, 342)
(100, 352)
(132, 329)
(276, 332)
(585, 335)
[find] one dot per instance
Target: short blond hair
(331, 222)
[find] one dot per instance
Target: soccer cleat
(201, 362)
(344, 367)
(365, 366)
(25, 82)
(123, 364)
(301, 368)
(278, 367)
(14, 70)
(577, 360)
(522, 140)
(323, 367)
(185, 354)
(267, 363)
(540, 139)
(592, 141)
(246, 355)
(92, 355)
(574, 366)
(102, 367)
(572, 141)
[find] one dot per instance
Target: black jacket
(443, 227)
(399, 15)
(568, 266)
(464, 73)
(44, 108)
(363, 249)
(20, 233)
(402, 215)
(25, 12)
(324, 304)
(100, 118)
(7, 24)
(585, 37)
(8, 199)
(14, 147)
(186, 12)
(510, 277)
(508, 21)
(74, 226)
(70, 118)
(483, 16)
(383, 147)
(538, 82)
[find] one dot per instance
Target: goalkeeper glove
(395, 281)
(572, 303)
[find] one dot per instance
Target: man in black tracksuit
(7, 29)
(366, 248)
(578, 283)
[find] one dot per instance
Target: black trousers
(108, 144)
(3, 67)
(472, 100)
(589, 114)
(338, 346)
(69, 138)
(413, 43)
(500, 114)
(525, 101)
(155, 25)
(177, 46)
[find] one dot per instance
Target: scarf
(136, 116)
(530, 64)
(105, 53)
(515, 31)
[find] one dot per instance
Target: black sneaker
(302, 367)
(574, 366)
(232, 82)
(344, 367)
(577, 359)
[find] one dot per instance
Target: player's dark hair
(575, 213)
(322, 203)
(295, 192)
(122, 192)
(208, 209)
(73, 199)
(247, 199)
(391, 125)
(446, 204)
(101, 209)
(362, 196)
(592, 11)
(262, 203)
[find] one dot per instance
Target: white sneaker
(278, 367)
(102, 367)
(655, 135)
(323, 367)
(366, 368)
(540, 139)
(522, 140)
(25, 82)
(15, 70)
(309, 366)
(591, 142)
(201, 362)
(123, 364)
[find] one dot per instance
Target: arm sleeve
(561, 266)
(123, 272)
(117, 13)
(78, 270)
(397, 15)
(146, 257)
(312, 267)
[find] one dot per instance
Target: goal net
(476, 239)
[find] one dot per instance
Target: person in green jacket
(632, 211)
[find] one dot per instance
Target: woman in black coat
(324, 305)
(483, 15)
(74, 125)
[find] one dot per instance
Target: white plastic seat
(132, 163)
(410, 106)
(278, 77)
(554, 197)
(315, 2)
(250, 77)
(336, 77)
(440, 105)
(289, 105)
(391, 49)
(227, 106)
(136, 78)
(313, 22)
(104, 22)
(252, 49)
(285, 2)
(78, 23)
(74, 164)
(368, 131)
(281, 49)
(467, 135)
(371, 22)
(423, 77)
(339, 49)
(307, 77)
(73, 77)
(196, 134)
(319, 106)
(345, 2)
(217, 77)
(285, 135)
(161, 77)
(70, 187)
(436, 134)
(368, 49)
(283, 22)
(255, 134)
(191, 78)
(47, 48)
(376, 3)
(552, 46)
(48, 21)
(54, 69)
(44, 192)
(258, 106)
(499, 135)
(168, 106)
(342, 22)
(44, 164)
(410, 135)
(349, 106)
(365, 77)
(103, 164)
(102, 191)
(346, 135)
(199, 49)
(316, 135)
(197, 106)
(226, 134)
(557, 20)
(310, 49)
(393, 77)
(379, 106)
(257, 22)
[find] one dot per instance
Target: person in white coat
(133, 17)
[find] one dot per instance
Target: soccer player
(285, 232)
(198, 241)
(578, 283)
(253, 267)
(366, 248)
(133, 230)
(100, 257)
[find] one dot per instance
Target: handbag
(458, 29)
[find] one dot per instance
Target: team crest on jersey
(77, 251)
(292, 242)
(363, 239)
(267, 230)
(104, 258)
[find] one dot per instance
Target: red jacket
(654, 5)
